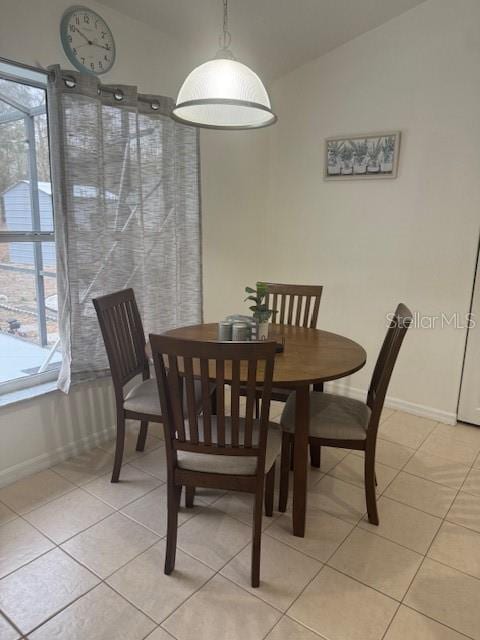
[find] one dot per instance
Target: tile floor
(81, 559)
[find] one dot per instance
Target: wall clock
(87, 40)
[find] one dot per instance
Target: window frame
(31, 76)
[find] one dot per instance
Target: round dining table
(310, 356)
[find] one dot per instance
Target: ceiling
(273, 36)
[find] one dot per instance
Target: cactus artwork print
(362, 156)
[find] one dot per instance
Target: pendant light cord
(226, 39)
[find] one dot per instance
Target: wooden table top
(310, 355)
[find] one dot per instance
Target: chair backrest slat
(206, 403)
(295, 303)
(387, 357)
(123, 336)
(235, 402)
(183, 363)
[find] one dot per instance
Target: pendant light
(224, 93)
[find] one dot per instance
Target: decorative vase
(262, 330)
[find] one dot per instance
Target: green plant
(258, 296)
(374, 151)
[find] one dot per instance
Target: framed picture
(362, 157)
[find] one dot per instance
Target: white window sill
(12, 397)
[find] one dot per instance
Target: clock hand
(102, 46)
(83, 35)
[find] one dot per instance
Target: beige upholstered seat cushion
(331, 416)
(144, 398)
(234, 465)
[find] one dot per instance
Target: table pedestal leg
(302, 418)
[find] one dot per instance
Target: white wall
(37, 432)
(375, 243)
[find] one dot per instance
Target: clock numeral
(107, 47)
(92, 65)
(100, 64)
(104, 33)
(106, 59)
(77, 20)
(74, 51)
(86, 19)
(71, 28)
(70, 38)
(83, 60)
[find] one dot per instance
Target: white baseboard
(48, 459)
(395, 403)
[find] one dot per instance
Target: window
(29, 344)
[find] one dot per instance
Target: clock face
(87, 40)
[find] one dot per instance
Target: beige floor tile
(465, 510)
(130, 452)
(101, 614)
(391, 454)
(377, 562)
(110, 544)
(132, 485)
(284, 572)
(472, 483)
(143, 582)
(154, 463)
(330, 456)
(351, 469)
(207, 496)
(86, 467)
(436, 469)
(7, 632)
(213, 537)
(6, 514)
(155, 429)
(338, 498)
(151, 510)
(159, 634)
(406, 429)
(422, 494)
(386, 413)
(66, 516)
(448, 596)
(461, 432)
(288, 629)
(458, 547)
(40, 589)
(411, 625)
(221, 605)
(240, 507)
(450, 448)
(324, 534)
(20, 543)
(476, 464)
(403, 524)
(31, 492)
(338, 607)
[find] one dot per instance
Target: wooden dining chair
(295, 305)
(338, 421)
(221, 451)
(124, 339)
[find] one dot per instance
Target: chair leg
(370, 493)
(257, 408)
(318, 387)
(284, 471)
(173, 502)
(119, 446)
(269, 489)
(189, 497)
(142, 436)
(315, 454)
(292, 454)
(257, 533)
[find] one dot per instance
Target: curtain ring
(155, 105)
(118, 95)
(70, 82)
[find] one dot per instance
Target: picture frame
(370, 156)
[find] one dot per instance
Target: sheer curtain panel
(127, 212)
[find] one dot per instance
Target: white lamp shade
(224, 94)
